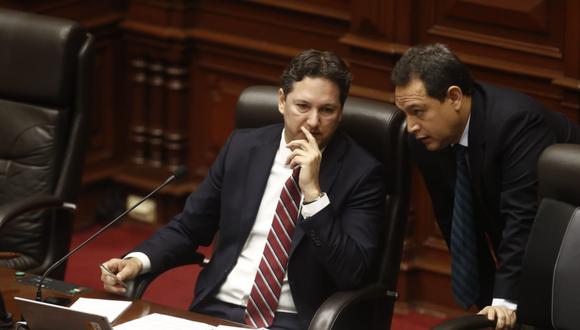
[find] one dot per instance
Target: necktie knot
(460, 151)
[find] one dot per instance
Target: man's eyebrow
(409, 104)
(301, 101)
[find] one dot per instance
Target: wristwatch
(322, 194)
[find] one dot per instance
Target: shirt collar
(464, 140)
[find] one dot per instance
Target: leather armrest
(335, 305)
(12, 210)
(466, 322)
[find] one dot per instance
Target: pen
(117, 280)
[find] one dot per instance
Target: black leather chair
(45, 88)
(550, 285)
(380, 129)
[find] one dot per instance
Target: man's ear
(455, 96)
(281, 101)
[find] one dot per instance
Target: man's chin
(431, 145)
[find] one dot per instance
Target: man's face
(313, 103)
(436, 124)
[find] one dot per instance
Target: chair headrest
(559, 173)
(38, 57)
(372, 124)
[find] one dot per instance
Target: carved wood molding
(308, 8)
(232, 40)
(160, 32)
(199, 34)
(103, 21)
(489, 40)
(508, 66)
(567, 82)
(377, 45)
(172, 4)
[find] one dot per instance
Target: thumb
(128, 270)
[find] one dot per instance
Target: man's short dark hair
(317, 64)
(436, 66)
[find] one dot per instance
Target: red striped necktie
(268, 282)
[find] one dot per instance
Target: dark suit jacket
(507, 133)
(331, 251)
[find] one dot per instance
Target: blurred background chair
(46, 67)
(550, 285)
(380, 129)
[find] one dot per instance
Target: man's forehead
(413, 91)
(327, 94)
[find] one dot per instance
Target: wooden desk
(10, 287)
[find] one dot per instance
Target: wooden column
(175, 137)
(138, 107)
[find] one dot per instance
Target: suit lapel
(476, 149)
(261, 157)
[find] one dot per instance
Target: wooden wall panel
(221, 75)
(169, 73)
(533, 34)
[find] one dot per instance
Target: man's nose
(412, 127)
(313, 118)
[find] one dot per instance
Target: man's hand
(307, 155)
(505, 317)
(124, 270)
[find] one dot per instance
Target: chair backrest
(550, 290)
(45, 88)
(380, 129)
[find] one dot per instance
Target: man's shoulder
(259, 134)
(259, 131)
(507, 101)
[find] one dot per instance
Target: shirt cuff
(513, 305)
(310, 209)
(144, 260)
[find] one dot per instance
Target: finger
(297, 144)
(308, 135)
(500, 323)
(296, 157)
(126, 273)
(131, 269)
(104, 277)
(296, 161)
(114, 265)
(491, 314)
(483, 311)
(108, 278)
(511, 320)
(114, 289)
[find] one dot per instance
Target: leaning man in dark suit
(298, 208)
(477, 146)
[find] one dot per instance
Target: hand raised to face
(307, 155)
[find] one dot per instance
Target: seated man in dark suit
(298, 208)
(477, 146)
